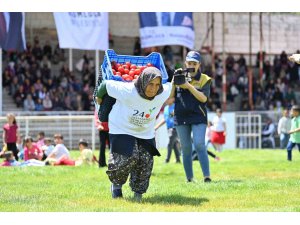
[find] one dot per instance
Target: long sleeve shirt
(284, 125)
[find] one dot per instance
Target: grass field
(244, 180)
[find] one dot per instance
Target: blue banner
(12, 31)
(166, 28)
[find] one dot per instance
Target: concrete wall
(280, 31)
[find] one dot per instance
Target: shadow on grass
(174, 199)
(227, 181)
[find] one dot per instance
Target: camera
(181, 76)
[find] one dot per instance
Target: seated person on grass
(11, 161)
(47, 147)
(20, 146)
(59, 149)
(32, 150)
(41, 139)
(86, 157)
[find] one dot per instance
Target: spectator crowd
(34, 84)
(31, 80)
(274, 91)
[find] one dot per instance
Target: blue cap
(193, 56)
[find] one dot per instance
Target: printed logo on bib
(139, 118)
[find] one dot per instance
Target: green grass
(244, 180)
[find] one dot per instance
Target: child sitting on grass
(20, 146)
(86, 157)
(32, 150)
(9, 159)
(47, 147)
(294, 132)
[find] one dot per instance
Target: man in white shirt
(284, 126)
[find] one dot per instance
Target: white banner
(82, 30)
(166, 28)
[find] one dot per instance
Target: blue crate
(153, 58)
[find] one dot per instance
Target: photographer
(191, 91)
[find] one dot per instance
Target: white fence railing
(248, 130)
(249, 127)
(71, 127)
(244, 128)
(49, 113)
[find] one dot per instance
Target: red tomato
(149, 65)
(125, 66)
(128, 64)
(133, 66)
(129, 78)
(118, 74)
(121, 69)
(126, 71)
(114, 72)
(125, 76)
(118, 65)
(136, 76)
(137, 72)
(131, 73)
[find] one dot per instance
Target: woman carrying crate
(131, 129)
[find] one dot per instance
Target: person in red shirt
(32, 150)
(10, 134)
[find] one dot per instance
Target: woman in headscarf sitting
(131, 129)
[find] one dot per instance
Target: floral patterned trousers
(139, 165)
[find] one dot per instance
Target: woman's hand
(186, 85)
(99, 100)
(100, 128)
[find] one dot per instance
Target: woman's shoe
(207, 180)
(137, 197)
(116, 193)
